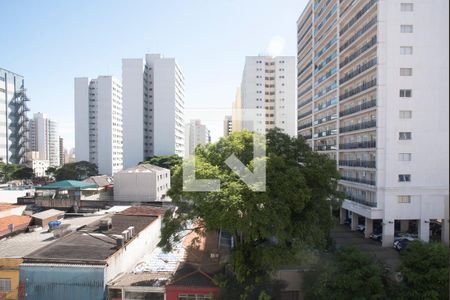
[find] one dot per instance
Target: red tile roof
(6, 206)
(144, 211)
(18, 221)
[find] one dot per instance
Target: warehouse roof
(67, 185)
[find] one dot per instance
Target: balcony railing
(305, 126)
(358, 108)
(358, 145)
(358, 70)
(306, 137)
(325, 133)
(305, 68)
(305, 80)
(358, 52)
(325, 147)
(359, 33)
(327, 104)
(358, 180)
(358, 16)
(303, 103)
(371, 164)
(359, 89)
(361, 201)
(325, 119)
(359, 126)
(308, 89)
(304, 114)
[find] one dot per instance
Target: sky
(50, 42)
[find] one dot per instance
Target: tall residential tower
(153, 98)
(98, 123)
(43, 138)
(373, 94)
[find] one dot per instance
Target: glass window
(404, 199)
(406, 28)
(405, 93)
(405, 114)
(406, 50)
(404, 178)
(404, 156)
(405, 136)
(5, 284)
(406, 71)
(407, 7)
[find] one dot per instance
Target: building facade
(43, 138)
(98, 123)
(13, 118)
(373, 95)
(268, 84)
(153, 97)
(227, 126)
(61, 151)
(195, 134)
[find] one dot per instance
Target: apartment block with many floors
(13, 118)
(43, 138)
(268, 84)
(196, 134)
(153, 97)
(373, 95)
(98, 123)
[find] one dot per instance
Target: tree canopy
(425, 271)
(75, 171)
(346, 274)
(165, 161)
(13, 171)
(269, 228)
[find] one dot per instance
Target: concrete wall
(82, 119)
(9, 269)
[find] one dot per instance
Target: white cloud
(276, 46)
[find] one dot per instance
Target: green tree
(76, 171)
(6, 171)
(425, 271)
(51, 171)
(268, 228)
(165, 161)
(23, 173)
(346, 274)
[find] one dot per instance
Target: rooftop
(47, 214)
(144, 211)
(100, 181)
(15, 220)
(8, 206)
(67, 185)
(143, 168)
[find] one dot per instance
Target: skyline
(84, 45)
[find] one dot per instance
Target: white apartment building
(98, 123)
(373, 94)
(268, 84)
(195, 134)
(43, 138)
(153, 97)
(227, 125)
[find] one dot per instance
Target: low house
(142, 183)
(44, 217)
(84, 261)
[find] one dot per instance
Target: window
(404, 178)
(404, 156)
(406, 28)
(406, 50)
(405, 114)
(5, 285)
(406, 71)
(405, 93)
(405, 136)
(407, 7)
(404, 199)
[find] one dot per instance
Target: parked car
(376, 235)
(402, 244)
(361, 228)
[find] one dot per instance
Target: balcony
(304, 80)
(370, 164)
(359, 126)
(326, 47)
(358, 52)
(325, 133)
(359, 89)
(358, 180)
(306, 137)
(301, 116)
(358, 108)
(358, 145)
(325, 105)
(361, 201)
(309, 124)
(358, 70)
(325, 119)
(308, 89)
(326, 75)
(358, 34)
(325, 147)
(303, 103)
(326, 90)
(358, 16)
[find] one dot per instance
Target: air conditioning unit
(126, 235)
(120, 242)
(131, 231)
(105, 224)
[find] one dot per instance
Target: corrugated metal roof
(66, 185)
(48, 214)
(143, 168)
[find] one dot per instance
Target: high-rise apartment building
(373, 94)
(13, 118)
(268, 84)
(153, 97)
(61, 151)
(98, 123)
(195, 134)
(43, 138)
(227, 126)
